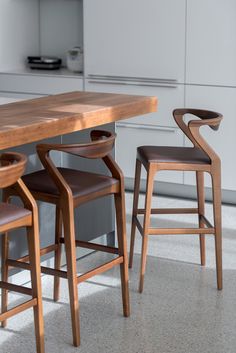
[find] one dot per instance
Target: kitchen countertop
(36, 119)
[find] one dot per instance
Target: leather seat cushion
(10, 213)
(81, 183)
(162, 154)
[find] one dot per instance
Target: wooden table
(33, 120)
(25, 122)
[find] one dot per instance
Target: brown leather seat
(81, 183)
(154, 154)
(10, 213)
(200, 158)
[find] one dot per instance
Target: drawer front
(39, 84)
(6, 98)
(135, 38)
(169, 97)
(129, 137)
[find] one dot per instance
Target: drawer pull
(133, 79)
(148, 127)
(133, 83)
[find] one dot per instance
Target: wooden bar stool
(200, 158)
(13, 217)
(68, 189)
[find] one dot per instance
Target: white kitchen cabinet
(223, 100)
(43, 83)
(211, 44)
(135, 38)
(129, 137)
(169, 97)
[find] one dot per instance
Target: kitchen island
(67, 118)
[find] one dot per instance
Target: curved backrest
(101, 145)
(12, 168)
(206, 115)
(191, 129)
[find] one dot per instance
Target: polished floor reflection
(180, 310)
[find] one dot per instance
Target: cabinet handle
(148, 127)
(133, 79)
(131, 83)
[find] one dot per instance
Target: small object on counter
(44, 62)
(74, 59)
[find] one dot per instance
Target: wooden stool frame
(191, 130)
(13, 166)
(100, 148)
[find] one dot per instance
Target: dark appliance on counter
(44, 62)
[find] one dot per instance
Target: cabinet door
(223, 141)
(135, 38)
(169, 97)
(211, 44)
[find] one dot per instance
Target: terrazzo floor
(180, 310)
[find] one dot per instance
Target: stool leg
(146, 223)
(57, 262)
(122, 245)
(34, 258)
(216, 189)
(201, 211)
(135, 207)
(4, 265)
(5, 251)
(69, 235)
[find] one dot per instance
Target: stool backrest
(100, 147)
(12, 168)
(191, 129)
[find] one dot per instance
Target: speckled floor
(180, 310)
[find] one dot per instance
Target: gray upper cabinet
(135, 38)
(211, 44)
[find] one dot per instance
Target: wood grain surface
(33, 120)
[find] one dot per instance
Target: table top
(36, 119)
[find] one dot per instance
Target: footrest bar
(173, 231)
(105, 267)
(169, 210)
(43, 251)
(16, 288)
(94, 246)
(46, 270)
(52, 272)
(18, 309)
